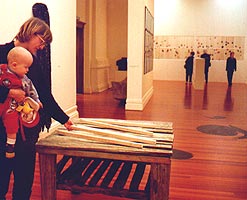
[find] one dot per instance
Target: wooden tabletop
(126, 137)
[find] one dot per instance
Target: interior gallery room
(140, 131)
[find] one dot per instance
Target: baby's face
(21, 69)
(21, 65)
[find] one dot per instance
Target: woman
(33, 35)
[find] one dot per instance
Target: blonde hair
(18, 54)
(34, 26)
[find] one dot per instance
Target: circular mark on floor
(218, 117)
(217, 130)
(181, 155)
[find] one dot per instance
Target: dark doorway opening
(79, 57)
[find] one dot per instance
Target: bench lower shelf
(114, 178)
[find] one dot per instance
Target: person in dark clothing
(207, 58)
(189, 62)
(231, 66)
(33, 35)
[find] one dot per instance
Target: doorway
(79, 57)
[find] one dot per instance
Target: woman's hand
(17, 94)
(68, 125)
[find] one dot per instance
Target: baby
(13, 76)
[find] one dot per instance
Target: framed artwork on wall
(148, 41)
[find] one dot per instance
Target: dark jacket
(207, 60)
(189, 62)
(231, 64)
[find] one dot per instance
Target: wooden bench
(134, 164)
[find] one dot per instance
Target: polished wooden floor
(210, 145)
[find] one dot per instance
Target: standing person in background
(207, 58)
(33, 35)
(189, 62)
(231, 66)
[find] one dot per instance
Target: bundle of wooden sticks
(130, 133)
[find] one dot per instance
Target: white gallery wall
(203, 18)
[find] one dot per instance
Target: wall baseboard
(139, 104)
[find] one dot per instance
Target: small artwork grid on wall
(179, 47)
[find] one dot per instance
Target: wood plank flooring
(210, 146)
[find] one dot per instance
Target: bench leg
(159, 181)
(47, 163)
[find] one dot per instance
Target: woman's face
(35, 43)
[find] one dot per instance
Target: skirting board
(71, 112)
(139, 104)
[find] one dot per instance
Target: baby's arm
(31, 91)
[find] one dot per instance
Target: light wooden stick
(160, 130)
(164, 137)
(101, 139)
(114, 134)
(131, 123)
(116, 127)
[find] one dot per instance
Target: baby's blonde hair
(19, 54)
